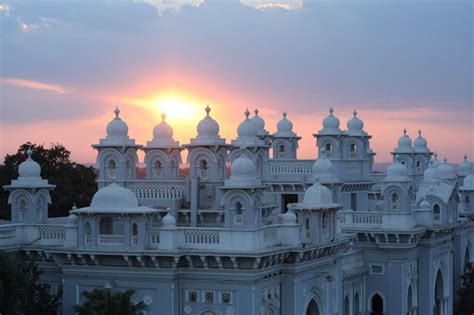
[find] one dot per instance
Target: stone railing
(290, 166)
(111, 239)
(52, 232)
(377, 178)
(354, 220)
(148, 189)
(7, 232)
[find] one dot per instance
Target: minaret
(285, 140)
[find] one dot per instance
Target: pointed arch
(439, 294)
(313, 304)
(356, 304)
(377, 303)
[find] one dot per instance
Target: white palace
(275, 235)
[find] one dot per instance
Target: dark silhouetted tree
(108, 302)
(75, 183)
(465, 305)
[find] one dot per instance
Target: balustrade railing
(156, 190)
(376, 219)
(7, 233)
(290, 166)
(201, 237)
(111, 239)
(51, 232)
(377, 178)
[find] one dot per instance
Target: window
(134, 234)
(394, 201)
(174, 168)
(208, 297)
(376, 269)
(203, 169)
(352, 150)
(23, 210)
(238, 213)
(467, 203)
(354, 201)
(226, 298)
(128, 169)
(87, 233)
(111, 172)
(328, 148)
(281, 151)
(157, 169)
(40, 208)
(307, 227)
(418, 165)
(377, 305)
(191, 296)
(324, 221)
(436, 212)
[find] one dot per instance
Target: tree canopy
(75, 183)
(465, 305)
(20, 289)
(108, 302)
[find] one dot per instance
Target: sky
(65, 65)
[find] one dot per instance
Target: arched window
(376, 305)
(111, 172)
(307, 227)
(467, 203)
(347, 307)
(313, 308)
(394, 201)
(356, 304)
(439, 295)
(134, 234)
(281, 151)
(436, 212)
(418, 165)
(203, 169)
(40, 208)
(352, 150)
(87, 233)
(174, 169)
(238, 213)
(410, 301)
(467, 261)
(129, 169)
(23, 205)
(328, 148)
(157, 169)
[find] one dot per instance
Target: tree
(21, 291)
(75, 183)
(108, 302)
(465, 305)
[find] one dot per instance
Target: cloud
(35, 85)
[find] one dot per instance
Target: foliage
(108, 302)
(465, 305)
(75, 183)
(21, 293)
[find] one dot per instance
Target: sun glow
(177, 108)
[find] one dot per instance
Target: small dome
(208, 127)
(163, 130)
(168, 220)
(355, 125)
(397, 171)
(318, 196)
(323, 167)
(247, 129)
(72, 219)
(465, 166)
(420, 143)
(424, 204)
(258, 121)
(114, 196)
(288, 217)
(446, 171)
(29, 168)
(284, 125)
(331, 122)
(117, 128)
(243, 167)
(404, 143)
(468, 182)
(430, 173)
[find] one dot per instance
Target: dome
(29, 168)
(331, 122)
(288, 217)
(163, 130)
(424, 204)
(468, 182)
(465, 166)
(446, 171)
(435, 162)
(243, 167)
(258, 121)
(318, 196)
(355, 125)
(208, 127)
(420, 143)
(404, 143)
(117, 127)
(430, 173)
(168, 220)
(284, 125)
(323, 168)
(114, 196)
(246, 128)
(397, 171)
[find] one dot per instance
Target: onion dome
(465, 167)
(446, 171)
(420, 144)
(331, 123)
(168, 220)
(247, 129)
(318, 196)
(430, 173)
(323, 168)
(114, 197)
(288, 217)
(468, 182)
(397, 172)
(117, 128)
(424, 204)
(29, 168)
(243, 167)
(355, 125)
(163, 130)
(208, 127)
(436, 163)
(258, 121)
(404, 143)
(284, 127)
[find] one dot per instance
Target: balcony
(289, 170)
(375, 220)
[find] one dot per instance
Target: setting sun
(177, 108)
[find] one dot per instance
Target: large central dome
(114, 197)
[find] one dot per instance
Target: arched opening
(313, 308)
(23, 213)
(347, 307)
(129, 169)
(356, 304)
(467, 261)
(467, 203)
(307, 227)
(328, 148)
(439, 295)
(394, 201)
(376, 305)
(221, 168)
(281, 151)
(352, 150)
(410, 301)
(111, 231)
(418, 165)
(238, 213)
(87, 233)
(40, 208)
(111, 169)
(157, 169)
(174, 169)
(436, 212)
(203, 169)
(134, 234)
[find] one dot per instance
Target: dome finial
(256, 111)
(419, 132)
(445, 160)
(354, 113)
(465, 157)
(208, 110)
(436, 156)
(29, 152)
(331, 110)
(163, 116)
(247, 113)
(117, 111)
(404, 131)
(284, 115)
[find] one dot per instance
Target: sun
(176, 108)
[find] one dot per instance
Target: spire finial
(331, 110)
(163, 116)
(445, 160)
(354, 113)
(465, 157)
(404, 131)
(117, 112)
(419, 133)
(256, 111)
(284, 115)
(247, 113)
(208, 110)
(436, 156)
(316, 179)
(29, 152)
